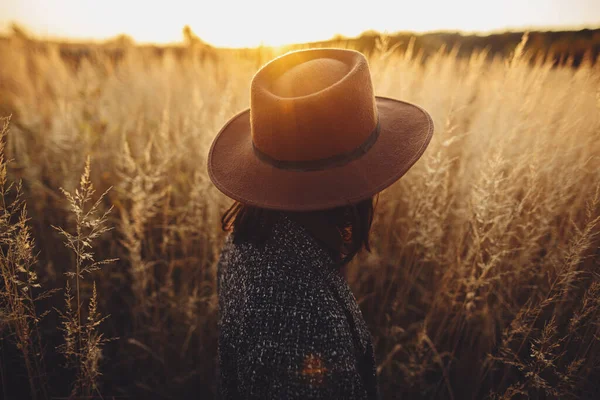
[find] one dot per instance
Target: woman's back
(289, 324)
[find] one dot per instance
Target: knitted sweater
(289, 325)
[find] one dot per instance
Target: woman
(304, 165)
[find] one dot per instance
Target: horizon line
(100, 40)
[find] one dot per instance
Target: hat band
(324, 163)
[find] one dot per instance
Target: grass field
(483, 282)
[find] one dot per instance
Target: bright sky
(275, 22)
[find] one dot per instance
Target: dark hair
(353, 222)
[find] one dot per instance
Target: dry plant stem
(21, 289)
(90, 224)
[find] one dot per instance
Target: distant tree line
(561, 47)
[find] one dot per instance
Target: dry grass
(83, 342)
(483, 281)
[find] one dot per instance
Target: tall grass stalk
(83, 342)
(20, 290)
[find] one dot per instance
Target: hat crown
(312, 105)
(309, 77)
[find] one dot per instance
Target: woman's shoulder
(289, 270)
(287, 249)
(272, 267)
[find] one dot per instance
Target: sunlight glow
(249, 23)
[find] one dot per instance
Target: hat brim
(234, 168)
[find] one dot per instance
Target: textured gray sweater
(289, 325)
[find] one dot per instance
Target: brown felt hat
(316, 136)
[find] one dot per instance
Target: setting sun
(250, 23)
